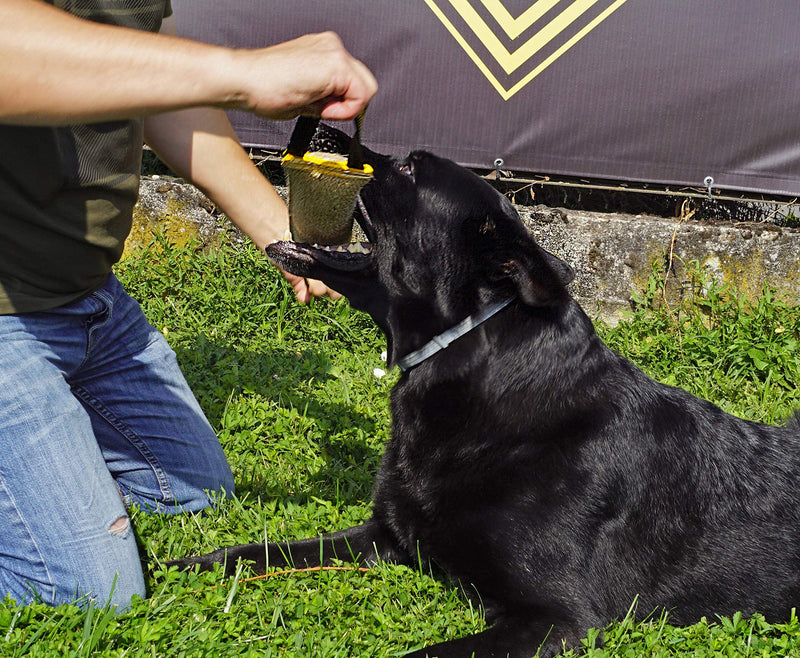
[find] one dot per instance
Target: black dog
(527, 459)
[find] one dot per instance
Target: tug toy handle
(304, 131)
(301, 137)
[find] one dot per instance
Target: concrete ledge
(613, 254)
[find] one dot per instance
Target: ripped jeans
(94, 415)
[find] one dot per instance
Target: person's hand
(305, 289)
(311, 75)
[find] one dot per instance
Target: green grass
(742, 355)
(291, 391)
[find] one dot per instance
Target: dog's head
(442, 244)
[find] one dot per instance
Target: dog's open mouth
(300, 258)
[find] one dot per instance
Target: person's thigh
(156, 441)
(64, 532)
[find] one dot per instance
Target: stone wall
(613, 254)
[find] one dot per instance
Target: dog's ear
(540, 278)
(512, 255)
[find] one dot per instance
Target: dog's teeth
(352, 247)
(358, 248)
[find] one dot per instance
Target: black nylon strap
(355, 159)
(301, 137)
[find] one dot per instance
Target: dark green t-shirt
(67, 193)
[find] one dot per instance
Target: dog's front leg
(511, 637)
(363, 544)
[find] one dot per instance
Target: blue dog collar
(438, 343)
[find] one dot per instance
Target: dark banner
(669, 92)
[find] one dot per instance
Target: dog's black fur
(527, 459)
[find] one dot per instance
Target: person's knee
(109, 574)
(214, 486)
(227, 486)
(116, 577)
(218, 478)
(124, 591)
(120, 527)
(210, 495)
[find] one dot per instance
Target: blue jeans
(94, 415)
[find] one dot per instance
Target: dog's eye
(406, 169)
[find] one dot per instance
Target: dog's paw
(184, 564)
(190, 563)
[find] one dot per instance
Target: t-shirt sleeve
(167, 8)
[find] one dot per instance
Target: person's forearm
(200, 145)
(58, 69)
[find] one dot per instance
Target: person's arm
(58, 69)
(200, 145)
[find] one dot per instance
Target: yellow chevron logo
(549, 28)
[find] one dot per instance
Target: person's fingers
(319, 289)
(362, 88)
(311, 75)
(298, 284)
(301, 291)
(305, 289)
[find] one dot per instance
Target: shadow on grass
(284, 402)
